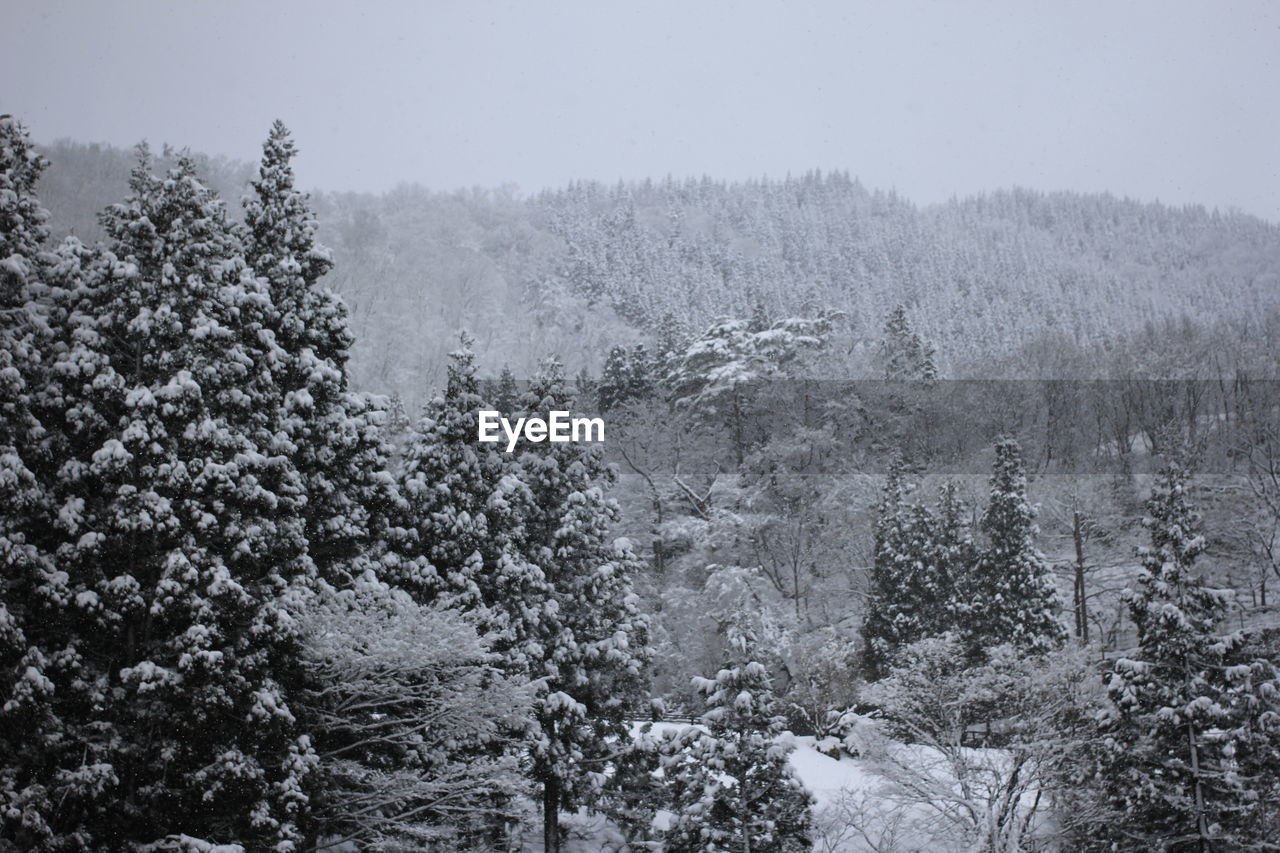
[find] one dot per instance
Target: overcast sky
(1169, 100)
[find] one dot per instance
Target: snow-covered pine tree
(730, 785)
(1008, 596)
(905, 597)
(635, 791)
(504, 392)
(24, 328)
(615, 377)
(952, 555)
(1193, 757)
(592, 641)
(719, 370)
(466, 506)
(903, 355)
(671, 340)
(32, 590)
(760, 319)
(627, 376)
(180, 541)
(333, 433)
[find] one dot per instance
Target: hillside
(986, 279)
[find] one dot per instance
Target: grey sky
(1176, 101)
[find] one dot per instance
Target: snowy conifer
(334, 436)
(180, 544)
(731, 786)
(913, 576)
(592, 639)
(24, 330)
(466, 506)
(952, 555)
(903, 355)
(1195, 737)
(1008, 596)
(32, 590)
(614, 377)
(718, 371)
(504, 392)
(883, 630)
(627, 376)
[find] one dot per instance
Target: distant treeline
(1012, 283)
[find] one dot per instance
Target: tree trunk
(737, 430)
(1202, 823)
(1202, 827)
(1082, 609)
(551, 815)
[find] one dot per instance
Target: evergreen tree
(614, 379)
(1194, 739)
(466, 506)
(627, 376)
(903, 355)
(635, 791)
(334, 434)
(505, 392)
(901, 590)
(1008, 596)
(180, 543)
(731, 786)
(592, 640)
(719, 371)
(32, 590)
(672, 338)
(397, 415)
(952, 555)
(760, 319)
(24, 330)
(920, 557)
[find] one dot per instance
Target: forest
(944, 528)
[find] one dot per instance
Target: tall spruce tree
(24, 329)
(592, 641)
(952, 555)
(919, 558)
(180, 543)
(627, 376)
(1192, 745)
(1008, 596)
(901, 577)
(333, 434)
(903, 354)
(731, 786)
(615, 376)
(466, 506)
(33, 591)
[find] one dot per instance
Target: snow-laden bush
(415, 725)
(978, 755)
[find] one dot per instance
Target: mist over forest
(1010, 284)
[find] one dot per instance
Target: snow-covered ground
(851, 813)
(826, 777)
